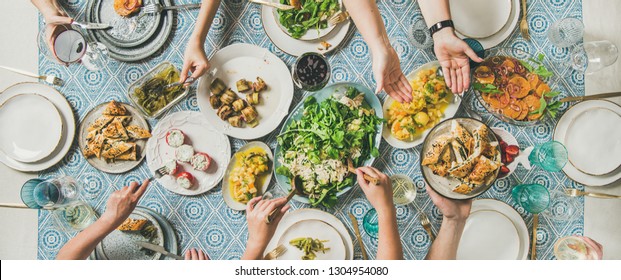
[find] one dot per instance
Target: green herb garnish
(487, 88)
(312, 14)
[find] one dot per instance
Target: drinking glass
(591, 57)
(71, 45)
(574, 248)
(403, 189)
(534, 198)
(370, 223)
(562, 207)
(76, 215)
(57, 192)
(566, 32)
(311, 71)
(476, 46)
(551, 156)
(419, 35)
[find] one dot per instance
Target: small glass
(311, 71)
(551, 156)
(71, 45)
(403, 189)
(562, 206)
(566, 32)
(574, 248)
(57, 192)
(419, 35)
(370, 223)
(591, 57)
(76, 215)
(534, 198)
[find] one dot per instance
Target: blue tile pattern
(206, 222)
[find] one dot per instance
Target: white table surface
(18, 228)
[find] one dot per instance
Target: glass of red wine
(70, 45)
(311, 71)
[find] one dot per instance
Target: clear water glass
(534, 198)
(75, 216)
(370, 223)
(566, 32)
(57, 192)
(574, 248)
(551, 156)
(419, 35)
(562, 207)
(591, 57)
(403, 189)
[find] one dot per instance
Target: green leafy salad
(307, 14)
(316, 146)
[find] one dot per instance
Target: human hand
(451, 209)
(195, 254)
(194, 60)
(387, 72)
(122, 203)
(259, 231)
(454, 55)
(593, 245)
(55, 25)
(380, 196)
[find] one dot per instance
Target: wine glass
(70, 45)
(534, 198)
(370, 223)
(574, 248)
(403, 189)
(591, 57)
(566, 32)
(551, 156)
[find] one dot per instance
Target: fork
(338, 17)
(273, 5)
(277, 252)
(50, 79)
(424, 220)
(155, 8)
(576, 193)
(524, 22)
(160, 172)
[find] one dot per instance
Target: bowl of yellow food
(407, 124)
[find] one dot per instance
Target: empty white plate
(31, 127)
(489, 235)
(593, 141)
(314, 229)
(480, 18)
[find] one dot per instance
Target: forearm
(81, 246)
(389, 243)
(434, 11)
(47, 8)
(368, 20)
(203, 22)
(253, 251)
(447, 241)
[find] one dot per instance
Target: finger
(281, 214)
(194, 254)
(408, 88)
(265, 204)
(432, 194)
(361, 181)
(392, 91)
(370, 171)
(453, 80)
(142, 189)
(380, 85)
(250, 205)
(201, 255)
(132, 187)
(270, 206)
(400, 87)
(60, 20)
(472, 55)
(465, 72)
(187, 64)
(188, 255)
(447, 76)
(460, 86)
(199, 71)
(280, 201)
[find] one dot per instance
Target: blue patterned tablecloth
(206, 222)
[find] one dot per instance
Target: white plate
(120, 245)
(311, 33)
(116, 167)
(296, 47)
(203, 137)
(450, 111)
(480, 18)
(303, 214)
(494, 230)
(593, 141)
(68, 120)
(560, 134)
(314, 229)
(31, 127)
(499, 36)
(244, 61)
(226, 191)
(488, 235)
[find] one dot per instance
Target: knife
(590, 97)
(354, 222)
(91, 25)
(159, 249)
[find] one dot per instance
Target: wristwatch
(438, 26)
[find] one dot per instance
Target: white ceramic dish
(497, 37)
(491, 16)
(120, 166)
(450, 111)
(311, 33)
(203, 137)
(226, 188)
(68, 132)
(495, 217)
(31, 127)
(296, 47)
(119, 245)
(560, 134)
(244, 61)
(293, 217)
(314, 229)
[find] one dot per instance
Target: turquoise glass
(534, 198)
(27, 193)
(475, 46)
(551, 156)
(370, 223)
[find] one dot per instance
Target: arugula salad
(316, 146)
(307, 14)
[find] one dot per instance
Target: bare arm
(455, 214)
(195, 60)
(259, 232)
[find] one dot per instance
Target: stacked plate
(591, 132)
(496, 19)
(130, 38)
(37, 126)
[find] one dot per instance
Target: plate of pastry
(120, 244)
(113, 136)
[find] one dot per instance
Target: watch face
(69, 46)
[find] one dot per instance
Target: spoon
(458, 97)
(296, 188)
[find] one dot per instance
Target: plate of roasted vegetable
(151, 93)
(342, 121)
(312, 240)
(309, 19)
(432, 102)
(515, 87)
(460, 158)
(250, 93)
